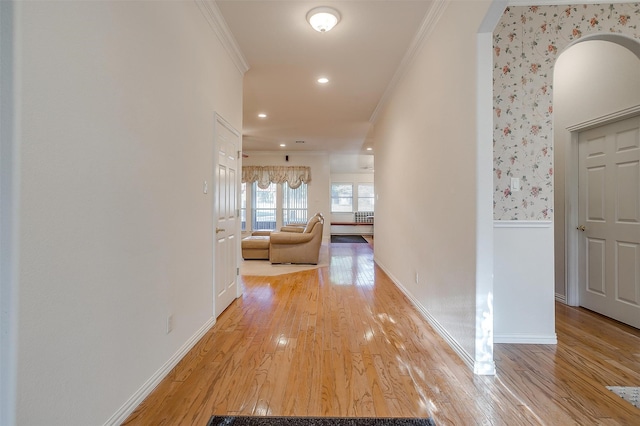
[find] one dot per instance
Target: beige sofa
(297, 244)
(255, 247)
(293, 244)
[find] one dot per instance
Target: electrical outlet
(169, 324)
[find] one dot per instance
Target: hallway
(344, 341)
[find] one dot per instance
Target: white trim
(531, 339)
(428, 24)
(484, 248)
(571, 244)
(218, 24)
(136, 399)
(220, 121)
(561, 298)
(522, 223)
(464, 355)
(605, 119)
(572, 180)
(487, 26)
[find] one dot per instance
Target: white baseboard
(561, 298)
(532, 339)
(136, 399)
(451, 341)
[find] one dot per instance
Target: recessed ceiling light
(323, 80)
(369, 149)
(262, 115)
(322, 19)
(283, 145)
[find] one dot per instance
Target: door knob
(218, 230)
(581, 228)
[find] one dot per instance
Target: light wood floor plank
(344, 341)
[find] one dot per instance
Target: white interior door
(225, 216)
(609, 220)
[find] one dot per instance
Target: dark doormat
(347, 239)
(317, 421)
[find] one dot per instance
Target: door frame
(572, 237)
(220, 121)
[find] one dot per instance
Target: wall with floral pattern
(527, 41)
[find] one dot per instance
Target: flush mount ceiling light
(262, 115)
(322, 19)
(323, 80)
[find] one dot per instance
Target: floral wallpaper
(526, 43)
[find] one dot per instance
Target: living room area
(339, 188)
(351, 176)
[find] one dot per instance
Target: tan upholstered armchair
(297, 244)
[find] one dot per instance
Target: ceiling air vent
(299, 141)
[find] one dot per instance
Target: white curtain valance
(265, 175)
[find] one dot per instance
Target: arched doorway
(595, 83)
(526, 43)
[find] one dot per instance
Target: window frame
(371, 197)
(244, 193)
(255, 190)
(339, 197)
(286, 210)
(281, 212)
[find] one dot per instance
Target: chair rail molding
(522, 223)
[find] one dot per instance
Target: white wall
(351, 163)
(425, 176)
(524, 308)
(318, 190)
(117, 112)
(9, 218)
(584, 89)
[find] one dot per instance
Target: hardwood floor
(344, 341)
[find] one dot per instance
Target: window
(365, 197)
(294, 204)
(273, 207)
(341, 197)
(243, 206)
(264, 207)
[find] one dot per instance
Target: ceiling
(360, 56)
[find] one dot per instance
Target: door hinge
(237, 271)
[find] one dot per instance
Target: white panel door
(226, 166)
(609, 219)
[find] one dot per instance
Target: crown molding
(428, 24)
(284, 152)
(218, 24)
